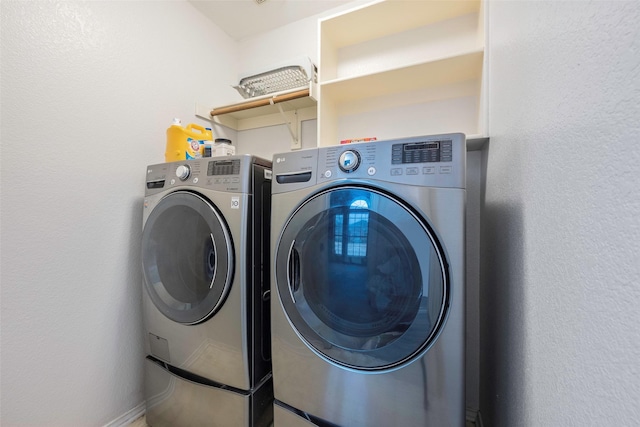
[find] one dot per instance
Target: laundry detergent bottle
(185, 143)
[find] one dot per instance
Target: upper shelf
(354, 26)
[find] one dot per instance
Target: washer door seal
(187, 257)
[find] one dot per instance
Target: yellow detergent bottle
(185, 143)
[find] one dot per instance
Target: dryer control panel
(422, 152)
(431, 161)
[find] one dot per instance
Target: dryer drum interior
(362, 278)
(187, 257)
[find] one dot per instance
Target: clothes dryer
(368, 282)
(205, 254)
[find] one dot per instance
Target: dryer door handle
(293, 271)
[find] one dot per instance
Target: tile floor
(141, 422)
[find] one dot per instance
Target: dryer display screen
(223, 167)
(422, 152)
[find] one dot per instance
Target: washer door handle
(293, 271)
(215, 261)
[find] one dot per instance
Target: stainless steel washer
(368, 283)
(205, 252)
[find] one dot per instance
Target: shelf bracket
(294, 135)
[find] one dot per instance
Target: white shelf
(427, 57)
(383, 18)
(438, 72)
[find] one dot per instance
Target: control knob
(349, 161)
(183, 172)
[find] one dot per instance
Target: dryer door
(187, 257)
(362, 278)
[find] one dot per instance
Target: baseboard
(128, 417)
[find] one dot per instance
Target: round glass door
(187, 257)
(362, 278)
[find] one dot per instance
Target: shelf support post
(294, 135)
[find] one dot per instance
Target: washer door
(187, 257)
(362, 278)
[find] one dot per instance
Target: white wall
(88, 90)
(298, 38)
(288, 42)
(560, 341)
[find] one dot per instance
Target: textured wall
(88, 90)
(560, 338)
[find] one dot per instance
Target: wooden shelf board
(257, 112)
(295, 104)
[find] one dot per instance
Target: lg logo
(280, 160)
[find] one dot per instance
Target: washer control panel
(222, 174)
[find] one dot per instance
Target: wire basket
(277, 80)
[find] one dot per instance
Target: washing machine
(368, 243)
(206, 308)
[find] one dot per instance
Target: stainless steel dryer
(368, 282)
(205, 253)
